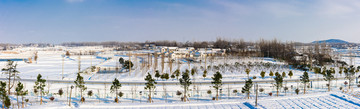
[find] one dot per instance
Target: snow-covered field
(328, 100)
(49, 65)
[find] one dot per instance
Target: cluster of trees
(150, 85)
(276, 49)
(10, 70)
(185, 82)
(267, 48)
(127, 64)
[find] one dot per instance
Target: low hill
(332, 41)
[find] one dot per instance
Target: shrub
(208, 92)
(116, 100)
(60, 92)
(286, 88)
(235, 91)
(178, 93)
(270, 94)
(90, 93)
(83, 99)
(121, 94)
(52, 98)
(261, 89)
(297, 91)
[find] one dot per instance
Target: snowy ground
(49, 65)
(333, 100)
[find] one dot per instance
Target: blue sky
(57, 21)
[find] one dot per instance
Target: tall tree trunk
(217, 94)
(82, 101)
(248, 95)
(22, 101)
(184, 94)
(304, 88)
(116, 94)
(277, 92)
(41, 97)
(329, 86)
(17, 101)
(70, 97)
(349, 84)
(9, 83)
(149, 95)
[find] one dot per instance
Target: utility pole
(70, 95)
(228, 91)
(205, 59)
(90, 60)
(62, 72)
(79, 63)
(189, 61)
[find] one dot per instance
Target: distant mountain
(332, 41)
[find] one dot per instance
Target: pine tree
(79, 82)
(271, 74)
(246, 89)
(349, 74)
(193, 71)
(20, 92)
(150, 85)
(114, 88)
(11, 71)
(172, 76)
(290, 74)
(217, 83)
(278, 82)
(262, 74)
(157, 74)
(60, 92)
(328, 77)
(177, 73)
(247, 72)
(185, 82)
(128, 65)
(39, 85)
(204, 74)
(121, 61)
(283, 74)
(165, 76)
(3, 95)
(341, 70)
(305, 79)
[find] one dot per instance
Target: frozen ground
(333, 100)
(49, 64)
